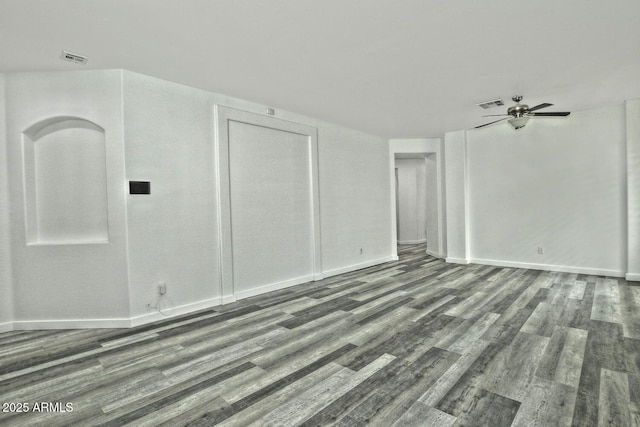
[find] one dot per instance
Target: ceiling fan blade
(554, 114)
(543, 105)
(490, 123)
(497, 115)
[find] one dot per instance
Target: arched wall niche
(65, 182)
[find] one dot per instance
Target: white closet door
(269, 203)
(271, 209)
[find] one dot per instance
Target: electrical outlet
(162, 288)
(540, 250)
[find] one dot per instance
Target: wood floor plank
(163, 401)
(431, 306)
(614, 399)
(632, 356)
(542, 321)
(443, 385)
(389, 399)
(606, 304)
(547, 404)
(321, 395)
(337, 410)
(577, 313)
(190, 367)
(484, 408)
(313, 400)
(511, 321)
(571, 358)
(365, 335)
(468, 339)
(634, 411)
(630, 298)
(307, 342)
(577, 291)
(604, 349)
(500, 301)
(420, 374)
(282, 376)
(278, 398)
(420, 415)
(563, 357)
(381, 310)
(402, 342)
(512, 371)
(466, 306)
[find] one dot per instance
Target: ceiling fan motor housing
(518, 110)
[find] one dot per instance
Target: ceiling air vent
(490, 104)
(74, 57)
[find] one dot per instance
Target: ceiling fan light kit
(518, 122)
(519, 114)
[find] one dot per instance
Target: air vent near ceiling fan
(73, 57)
(490, 104)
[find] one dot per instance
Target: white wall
(172, 231)
(165, 132)
(557, 184)
(633, 189)
(412, 203)
(432, 213)
(456, 201)
(6, 277)
(63, 283)
(354, 199)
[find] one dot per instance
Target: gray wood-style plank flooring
(416, 342)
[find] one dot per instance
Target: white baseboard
(183, 309)
(6, 327)
(273, 287)
(228, 299)
(550, 267)
(154, 315)
(632, 277)
(434, 254)
(359, 266)
(457, 260)
(411, 242)
(33, 325)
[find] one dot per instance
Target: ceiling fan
(519, 114)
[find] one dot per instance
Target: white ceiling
(395, 68)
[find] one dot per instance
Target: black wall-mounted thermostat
(139, 187)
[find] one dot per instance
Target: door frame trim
(222, 116)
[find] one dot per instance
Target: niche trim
(65, 182)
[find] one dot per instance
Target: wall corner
(6, 270)
(632, 110)
(456, 199)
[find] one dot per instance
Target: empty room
(319, 213)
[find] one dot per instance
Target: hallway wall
(412, 200)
